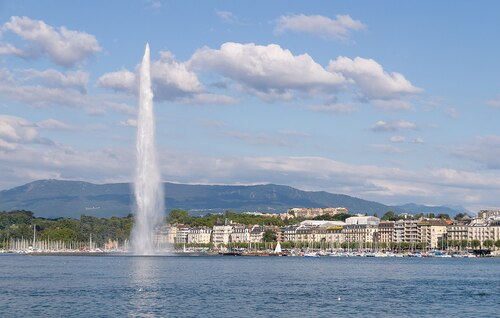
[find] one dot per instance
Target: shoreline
(253, 254)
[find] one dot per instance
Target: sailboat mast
(34, 235)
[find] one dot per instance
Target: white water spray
(148, 187)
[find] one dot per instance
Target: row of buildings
(366, 231)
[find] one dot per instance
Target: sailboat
(277, 249)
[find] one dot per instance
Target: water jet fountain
(148, 187)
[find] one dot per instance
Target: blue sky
(388, 101)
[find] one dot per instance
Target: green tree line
(21, 224)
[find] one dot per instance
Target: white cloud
(122, 80)
(397, 139)
(62, 46)
(171, 80)
(16, 130)
(279, 138)
(53, 124)
(40, 96)
(50, 77)
(259, 139)
(372, 80)
(418, 140)
(29, 162)
(484, 150)
(340, 109)
(129, 122)
(227, 16)
(270, 72)
(54, 92)
(9, 49)
(324, 27)
(382, 126)
(211, 99)
(392, 104)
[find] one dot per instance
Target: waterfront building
(457, 231)
(329, 236)
(309, 213)
(386, 232)
(482, 230)
(315, 231)
(257, 234)
(361, 229)
(431, 231)
(199, 235)
(321, 231)
(410, 231)
(221, 233)
(165, 235)
(399, 231)
(304, 234)
(489, 215)
(181, 236)
(240, 233)
(290, 233)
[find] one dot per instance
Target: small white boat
(311, 255)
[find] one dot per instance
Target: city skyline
(392, 102)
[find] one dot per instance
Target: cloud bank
(318, 25)
(62, 46)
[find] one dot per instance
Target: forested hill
(57, 198)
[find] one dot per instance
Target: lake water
(120, 286)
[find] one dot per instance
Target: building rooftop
(362, 220)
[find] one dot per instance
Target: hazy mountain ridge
(57, 198)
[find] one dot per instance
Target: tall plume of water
(148, 187)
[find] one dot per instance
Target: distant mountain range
(70, 199)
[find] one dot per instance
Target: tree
(15, 217)
(341, 217)
(475, 243)
(421, 246)
(60, 234)
(334, 217)
(460, 216)
(419, 216)
(269, 236)
(178, 216)
(463, 243)
(443, 216)
(389, 216)
(453, 243)
(488, 243)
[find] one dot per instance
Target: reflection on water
(145, 287)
